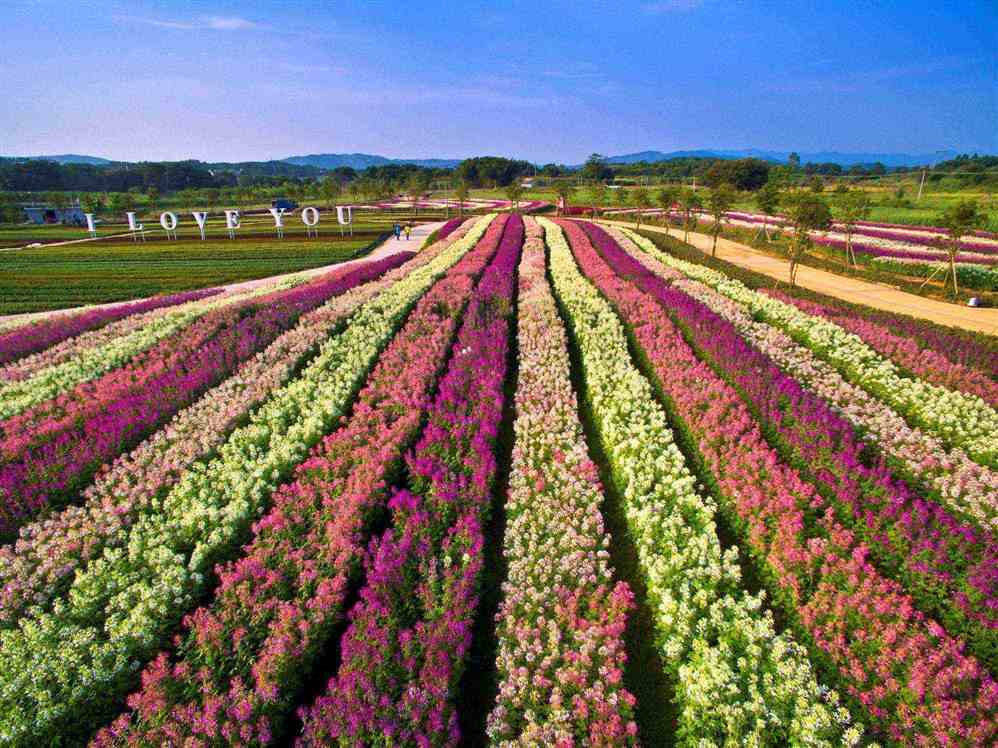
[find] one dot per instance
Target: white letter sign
(90, 224)
(168, 221)
(310, 217)
(200, 217)
(232, 222)
(278, 214)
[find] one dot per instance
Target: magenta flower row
(905, 351)
(950, 565)
(936, 239)
(560, 627)
(241, 660)
(51, 452)
(448, 228)
(37, 568)
(404, 651)
(906, 671)
(31, 338)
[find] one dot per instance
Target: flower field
(337, 510)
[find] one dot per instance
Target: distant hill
(835, 157)
(67, 158)
(360, 161)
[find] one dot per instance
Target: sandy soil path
(876, 295)
(385, 249)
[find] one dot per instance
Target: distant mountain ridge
(360, 161)
(835, 157)
(66, 158)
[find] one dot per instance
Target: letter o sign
(310, 216)
(168, 221)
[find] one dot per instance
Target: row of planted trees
(805, 211)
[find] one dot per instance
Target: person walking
(397, 230)
(408, 231)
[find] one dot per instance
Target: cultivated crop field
(540, 483)
(99, 272)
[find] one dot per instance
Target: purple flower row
(878, 231)
(404, 651)
(37, 336)
(448, 228)
(904, 669)
(873, 250)
(242, 659)
(950, 566)
(962, 348)
(51, 457)
(905, 351)
(48, 552)
(560, 627)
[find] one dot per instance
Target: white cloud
(671, 6)
(215, 23)
(156, 22)
(229, 23)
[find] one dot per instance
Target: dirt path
(385, 249)
(876, 295)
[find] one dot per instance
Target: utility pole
(920, 186)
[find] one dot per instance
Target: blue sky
(548, 81)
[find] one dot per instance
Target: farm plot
(279, 517)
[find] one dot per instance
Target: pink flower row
(903, 350)
(44, 559)
(241, 661)
(23, 341)
(404, 651)
(560, 628)
(912, 677)
(52, 450)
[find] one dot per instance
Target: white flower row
(19, 395)
(736, 675)
(959, 482)
(23, 368)
(58, 667)
(561, 650)
(35, 570)
(960, 419)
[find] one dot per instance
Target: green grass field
(258, 226)
(57, 277)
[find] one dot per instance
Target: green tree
(665, 198)
(595, 168)
(152, 200)
(719, 201)
(461, 192)
(689, 203)
(116, 204)
(92, 202)
(417, 186)
(807, 212)
(853, 208)
(565, 191)
(330, 189)
(514, 191)
(10, 211)
(959, 220)
(597, 194)
(642, 201)
(768, 200)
